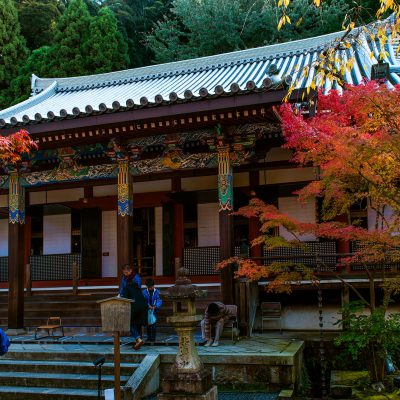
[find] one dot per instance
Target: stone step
(129, 358)
(57, 380)
(71, 321)
(68, 367)
(43, 393)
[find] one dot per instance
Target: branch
(359, 295)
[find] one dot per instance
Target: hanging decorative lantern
(380, 71)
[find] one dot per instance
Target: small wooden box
(116, 314)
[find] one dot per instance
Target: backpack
(4, 343)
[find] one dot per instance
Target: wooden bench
(53, 323)
(271, 311)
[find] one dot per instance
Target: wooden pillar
(225, 198)
(124, 216)
(343, 246)
(16, 255)
(178, 224)
(254, 223)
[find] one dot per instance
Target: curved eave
(145, 104)
(10, 112)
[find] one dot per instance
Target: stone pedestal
(188, 378)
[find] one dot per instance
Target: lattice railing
(202, 260)
(321, 255)
(54, 267)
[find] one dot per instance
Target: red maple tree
(353, 143)
(12, 147)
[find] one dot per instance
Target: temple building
(146, 165)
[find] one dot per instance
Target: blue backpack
(4, 343)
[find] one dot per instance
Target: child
(154, 302)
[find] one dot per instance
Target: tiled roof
(224, 74)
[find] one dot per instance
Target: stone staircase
(81, 311)
(59, 375)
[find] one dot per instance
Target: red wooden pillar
(16, 255)
(225, 198)
(124, 216)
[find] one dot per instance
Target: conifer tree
(13, 51)
(72, 32)
(38, 19)
(105, 49)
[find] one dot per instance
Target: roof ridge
(184, 66)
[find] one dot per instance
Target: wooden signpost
(116, 318)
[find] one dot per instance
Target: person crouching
(216, 313)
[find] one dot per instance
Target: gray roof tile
(229, 73)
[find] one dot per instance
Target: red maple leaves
(12, 147)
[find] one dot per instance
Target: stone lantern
(187, 379)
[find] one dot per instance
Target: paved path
(258, 345)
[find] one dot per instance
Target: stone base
(15, 332)
(191, 383)
(211, 394)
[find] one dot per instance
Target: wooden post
(117, 378)
(16, 255)
(124, 215)
(225, 198)
(179, 240)
(177, 266)
(28, 277)
(74, 273)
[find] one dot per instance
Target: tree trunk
(375, 357)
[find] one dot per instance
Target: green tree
(38, 19)
(136, 20)
(13, 51)
(72, 31)
(39, 63)
(106, 49)
(197, 28)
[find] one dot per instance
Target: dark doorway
(144, 241)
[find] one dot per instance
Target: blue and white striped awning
(224, 74)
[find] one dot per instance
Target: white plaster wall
(105, 190)
(302, 212)
(57, 234)
(56, 196)
(278, 154)
(241, 179)
(199, 183)
(3, 237)
(59, 196)
(208, 224)
(152, 186)
(109, 243)
(4, 200)
(37, 198)
(388, 214)
(303, 318)
(273, 176)
(158, 222)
